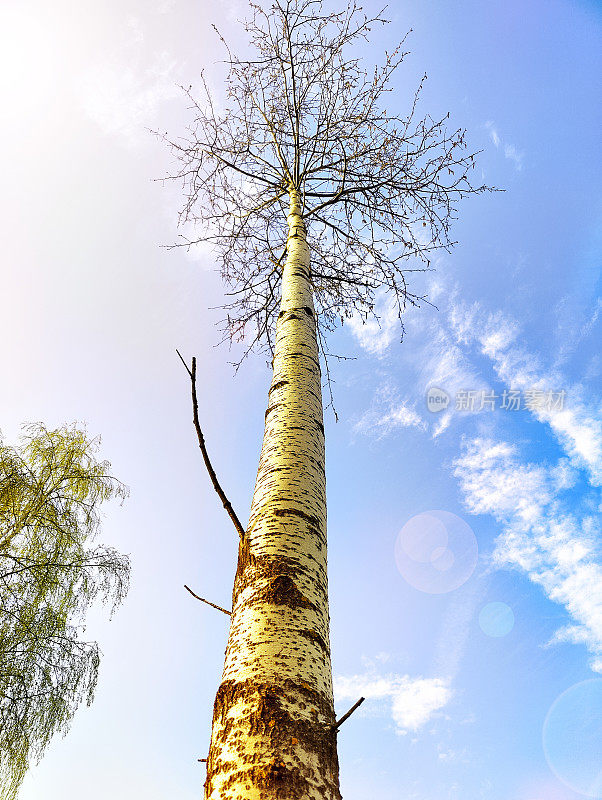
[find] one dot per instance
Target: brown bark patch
(281, 781)
(282, 512)
(274, 578)
(282, 591)
(305, 355)
(286, 735)
(270, 408)
(245, 560)
(278, 385)
(313, 523)
(306, 309)
(230, 692)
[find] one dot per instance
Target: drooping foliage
(51, 490)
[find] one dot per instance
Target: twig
(339, 722)
(202, 599)
(202, 759)
(216, 485)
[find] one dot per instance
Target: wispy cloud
(376, 335)
(123, 95)
(124, 101)
(494, 134)
(387, 414)
(455, 628)
(510, 151)
(444, 364)
(549, 534)
(165, 6)
(576, 424)
(548, 511)
(438, 359)
(445, 359)
(412, 701)
(545, 536)
(553, 537)
(576, 322)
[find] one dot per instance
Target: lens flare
(436, 552)
(496, 619)
(571, 737)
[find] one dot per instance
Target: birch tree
(51, 489)
(318, 201)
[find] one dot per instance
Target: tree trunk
(272, 734)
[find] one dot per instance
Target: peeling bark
(272, 734)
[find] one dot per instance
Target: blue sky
(93, 309)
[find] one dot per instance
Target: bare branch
(202, 599)
(379, 190)
(216, 484)
(339, 722)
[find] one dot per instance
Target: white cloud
(510, 151)
(376, 335)
(494, 137)
(442, 359)
(413, 701)
(438, 359)
(576, 323)
(123, 94)
(380, 658)
(577, 425)
(494, 482)
(445, 365)
(555, 542)
(450, 756)
(456, 626)
(124, 100)
(564, 475)
(387, 414)
(552, 537)
(165, 6)
(558, 549)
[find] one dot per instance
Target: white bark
(271, 735)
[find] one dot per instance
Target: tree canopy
(377, 188)
(51, 490)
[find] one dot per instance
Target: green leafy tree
(51, 489)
